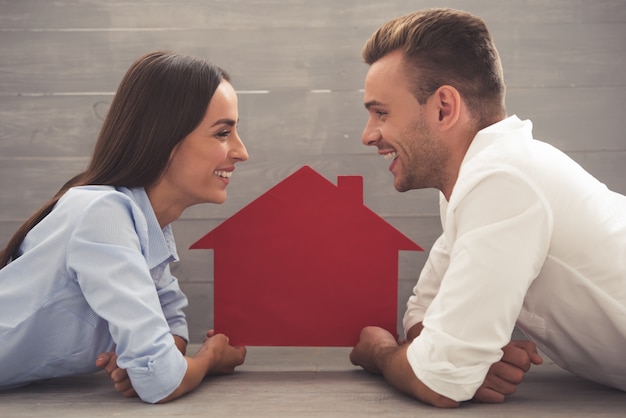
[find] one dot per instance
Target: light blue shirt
(94, 276)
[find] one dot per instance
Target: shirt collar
(486, 136)
(162, 247)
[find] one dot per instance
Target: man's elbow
(441, 401)
(429, 396)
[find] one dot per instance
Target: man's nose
(370, 135)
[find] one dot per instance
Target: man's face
(399, 127)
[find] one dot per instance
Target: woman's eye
(223, 134)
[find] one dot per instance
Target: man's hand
(504, 376)
(369, 349)
(121, 381)
(378, 352)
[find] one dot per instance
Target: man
(529, 237)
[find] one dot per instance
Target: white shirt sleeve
(498, 230)
(427, 286)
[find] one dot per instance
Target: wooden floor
(307, 382)
(297, 68)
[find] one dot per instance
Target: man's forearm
(395, 367)
(414, 332)
(378, 352)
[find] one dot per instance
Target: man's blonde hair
(446, 47)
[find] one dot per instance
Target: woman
(89, 272)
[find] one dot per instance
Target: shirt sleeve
(106, 255)
(173, 301)
(427, 286)
(499, 232)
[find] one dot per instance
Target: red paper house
(305, 264)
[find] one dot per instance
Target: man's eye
(380, 113)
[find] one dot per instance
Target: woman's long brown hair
(161, 99)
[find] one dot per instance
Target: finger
(103, 359)
(500, 385)
(130, 393)
(506, 372)
(535, 358)
(487, 395)
(119, 375)
(124, 387)
(530, 348)
(516, 358)
(209, 334)
(111, 365)
(242, 351)
(521, 355)
(495, 387)
(239, 356)
(354, 356)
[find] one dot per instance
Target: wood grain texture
(308, 382)
(297, 67)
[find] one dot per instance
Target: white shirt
(529, 238)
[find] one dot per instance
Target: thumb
(531, 349)
(102, 360)
(535, 358)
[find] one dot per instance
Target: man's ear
(447, 102)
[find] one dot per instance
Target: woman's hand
(215, 356)
(121, 381)
(225, 357)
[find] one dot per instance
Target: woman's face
(201, 165)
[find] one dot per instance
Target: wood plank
(26, 183)
(7, 229)
(280, 124)
(573, 119)
(50, 127)
(243, 14)
(590, 54)
(308, 382)
(608, 167)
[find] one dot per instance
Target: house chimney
(352, 187)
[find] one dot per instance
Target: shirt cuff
(160, 377)
(458, 383)
(180, 329)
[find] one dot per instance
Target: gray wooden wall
(297, 67)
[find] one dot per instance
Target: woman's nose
(240, 152)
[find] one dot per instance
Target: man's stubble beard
(425, 159)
